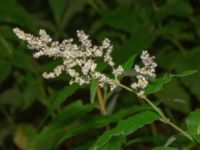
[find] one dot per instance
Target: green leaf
(6, 49)
(6, 67)
(188, 62)
(85, 146)
(158, 84)
(193, 124)
(175, 96)
(62, 96)
(24, 61)
(124, 23)
(173, 27)
(30, 91)
(7, 32)
(129, 63)
(93, 88)
(17, 15)
(135, 45)
(175, 30)
(73, 7)
(185, 73)
(12, 97)
(170, 140)
(114, 143)
(97, 122)
(71, 111)
(63, 10)
(175, 8)
(64, 118)
(126, 127)
(164, 148)
(147, 139)
(58, 7)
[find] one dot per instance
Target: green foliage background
(37, 114)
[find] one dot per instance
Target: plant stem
(164, 119)
(155, 108)
(180, 130)
(123, 86)
(102, 103)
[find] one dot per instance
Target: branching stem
(164, 119)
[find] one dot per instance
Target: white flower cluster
(79, 61)
(144, 73)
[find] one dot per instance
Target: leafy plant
(51, 114)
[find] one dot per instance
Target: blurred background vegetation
(169, 29)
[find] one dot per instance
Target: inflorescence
(144, 74)
(80, 61)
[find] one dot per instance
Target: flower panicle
(145, 73)
(74, 56)
(79, 61)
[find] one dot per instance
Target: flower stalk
(164, 119)
(101, 101)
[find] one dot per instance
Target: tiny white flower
(79, 61)
(143, 74)
(118, 71)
